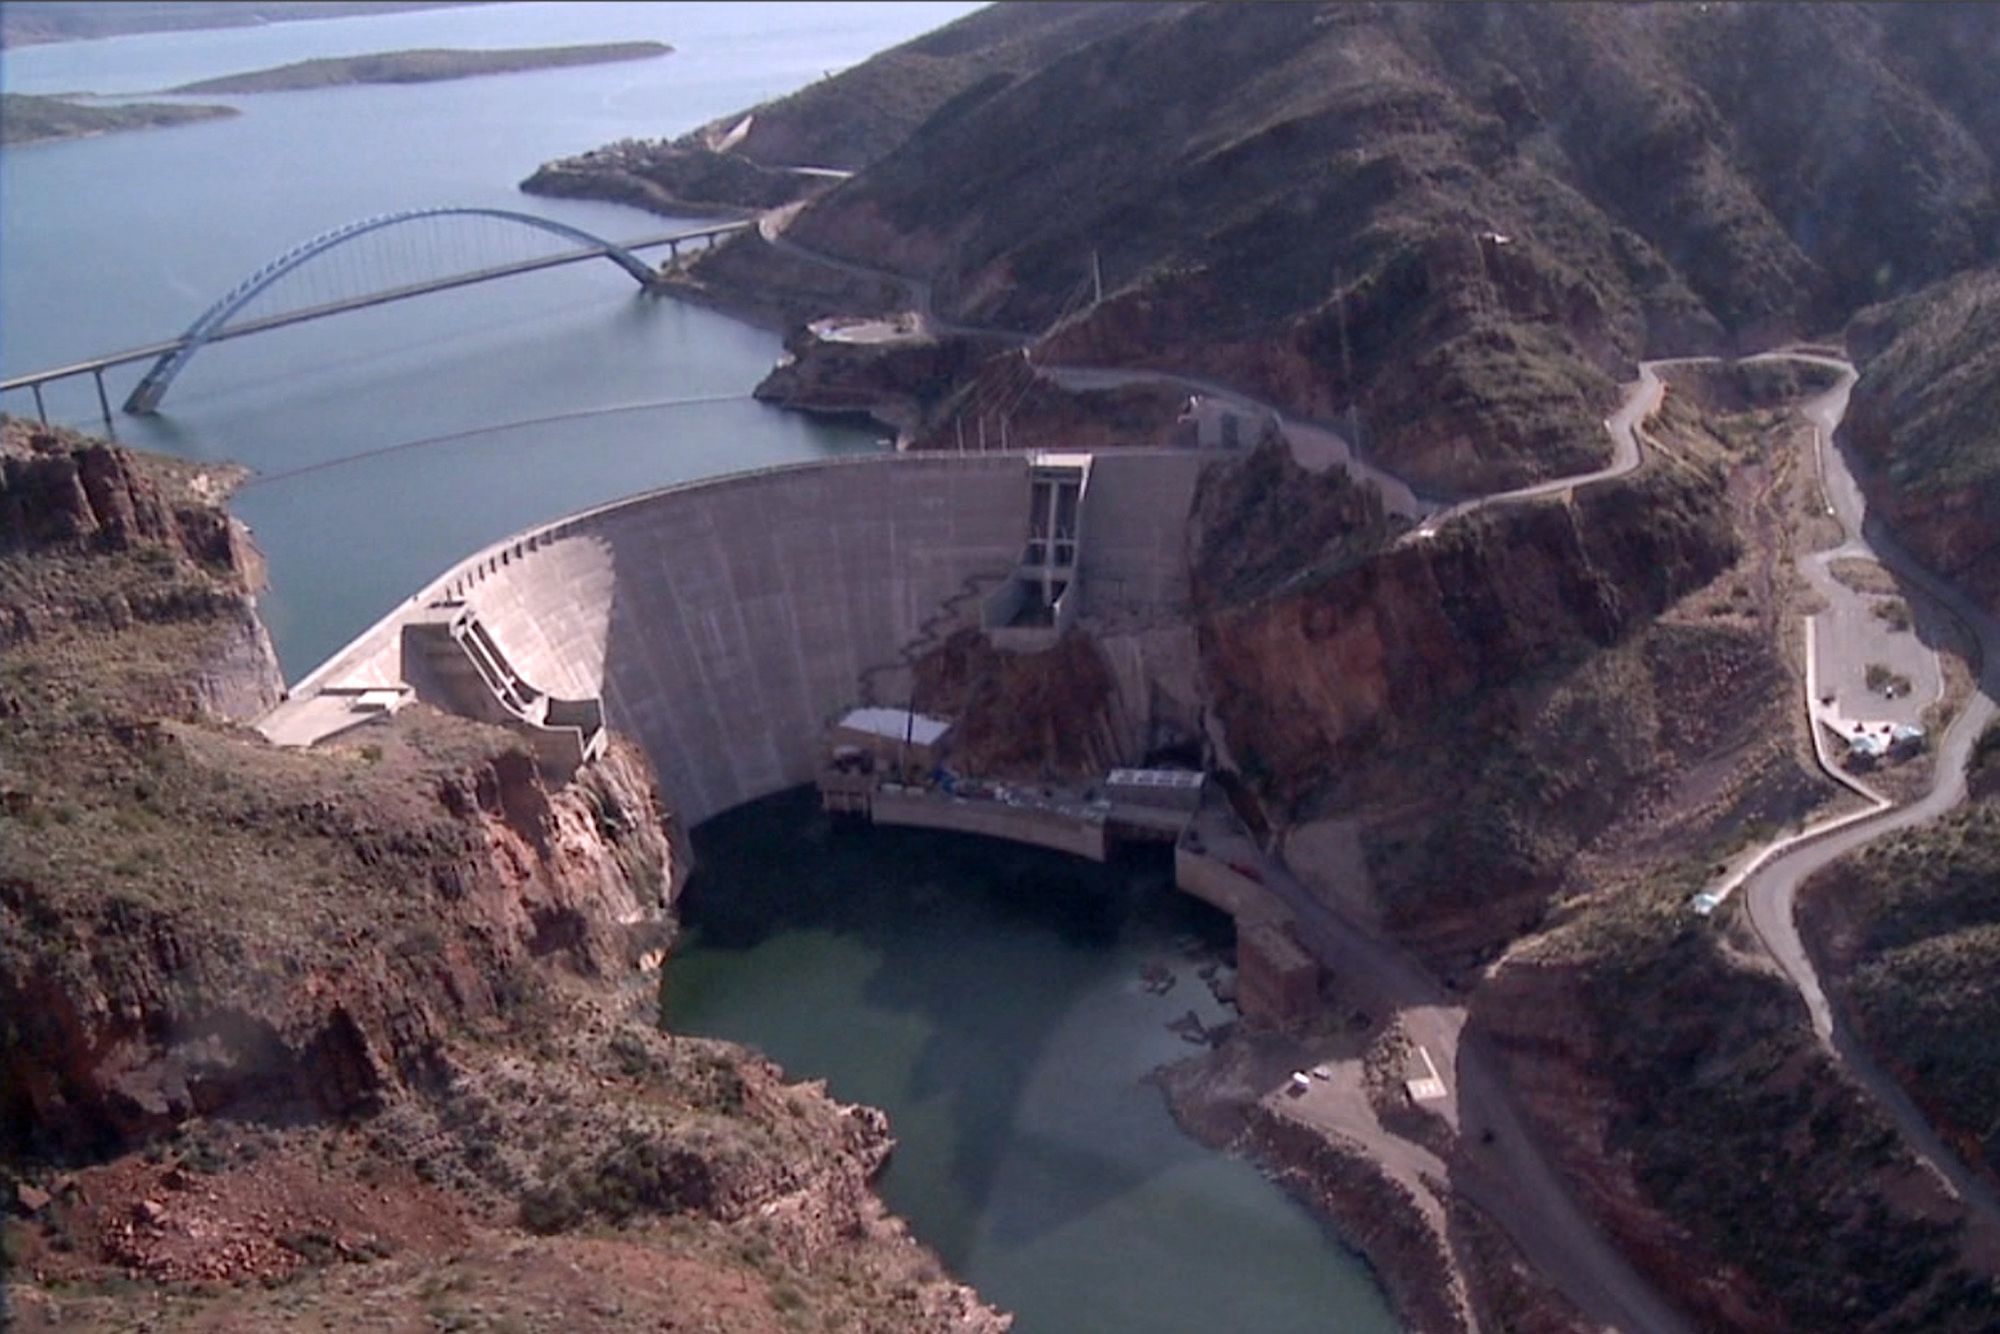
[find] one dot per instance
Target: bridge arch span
(152, 387)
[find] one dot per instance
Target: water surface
(991, 999)
(988, 997)
(120, 240)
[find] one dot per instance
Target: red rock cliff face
(1031, 716)
(131, 1017)
(1317, 683)
(54, 491)
(265, 1010)
(64, 497)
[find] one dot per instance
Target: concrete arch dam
(724, 624)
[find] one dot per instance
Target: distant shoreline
(26, 119)
(25, 23)
(428, 65)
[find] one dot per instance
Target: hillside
(1913, 925)
(289, 1036)
(1463, 221)
(1927, 420)
(27, 120)
(421, 66)
(841, 123)
(1520, 745)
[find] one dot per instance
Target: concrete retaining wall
(1135, 533)
(726, 623)
(1222, 886)
(1017, 824)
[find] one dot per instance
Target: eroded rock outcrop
(1922, 423)
(885, 368)
(1426, 678)
(1031, 716)
(352, 1016)
(1715, 1141)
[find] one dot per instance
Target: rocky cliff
(93, 542)
(1924, 423)
(1507, 671)
(1032, 716)
(880, 368)
(1715, 1141)
(1910, 932)
(370, 1022)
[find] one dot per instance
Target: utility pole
(909, 725)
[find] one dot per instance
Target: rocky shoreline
(671, 183)
(430, 65)
(1438, 1271)
(27, 119)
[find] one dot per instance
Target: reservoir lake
(988, 997)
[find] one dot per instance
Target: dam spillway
(724, 624)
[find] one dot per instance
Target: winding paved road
(1509, 1177)
(1513, 1181)
(1771, 888)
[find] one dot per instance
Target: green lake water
(989, 998)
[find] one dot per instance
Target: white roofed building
(895, 737)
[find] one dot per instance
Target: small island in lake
(420, 66)
(26, 119)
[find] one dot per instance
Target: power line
(263, 479)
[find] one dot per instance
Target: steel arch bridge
(146, 395)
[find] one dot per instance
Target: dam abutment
(724, 625)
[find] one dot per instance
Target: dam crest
(725, 624)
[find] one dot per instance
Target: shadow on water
(989, 949)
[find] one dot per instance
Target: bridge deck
(266, 323)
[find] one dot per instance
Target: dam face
(724, 624)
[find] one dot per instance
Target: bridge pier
(103, 403)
